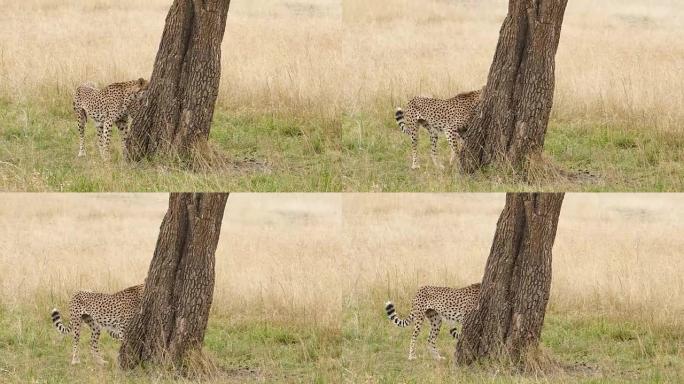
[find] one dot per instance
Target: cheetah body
(111, 312)
(106, 107)
(437, 115)
(436, 304)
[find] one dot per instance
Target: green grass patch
(364, 347)
(591, 157)
(38, 148)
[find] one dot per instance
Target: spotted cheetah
(436, 304)
(112, 312)
(107, 106)
(450, 116)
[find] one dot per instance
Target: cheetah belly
(108, 323)
(436, 120)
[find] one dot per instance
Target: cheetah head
(461, 131)
(138, 86)
(137, 89)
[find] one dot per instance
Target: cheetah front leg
(124, 127)
(414, 337)
(98, 129)
(435, 323)
(454, 330)
(454, 143)
(104, 140)
(115, 334)
(434, 135)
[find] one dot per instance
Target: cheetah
(436, 304)
(450, 116)
(112, 312)
(107, 106)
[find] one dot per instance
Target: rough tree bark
(174, 115)
(508, 320)
(179, 285)
(510, 123)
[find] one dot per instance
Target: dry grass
(301, 258)
(617, 61)
(104, 242)
(276, 54)
(614, 254)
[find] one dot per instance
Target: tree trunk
(510, 123)
(174, 115)
(508, 320)
(179, 285)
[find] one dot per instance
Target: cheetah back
(112, 312)
(451, 303)
(450, 114)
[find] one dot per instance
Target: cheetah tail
(399, 116)
(57, 322)
(392, 315)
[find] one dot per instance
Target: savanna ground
(301, 281)
(309, 89)
(276, 122)
(618, 112)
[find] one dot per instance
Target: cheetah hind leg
(82, 119)
(104, 140)
(76, 333)
(435, 324)
(414, 149)
(414, 337)
(95, 339)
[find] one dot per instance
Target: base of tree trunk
(179, 286)
(537, 362)
(510, 122)
(507, 322)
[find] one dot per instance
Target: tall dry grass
(306, 258)
(619, 61)
(277, 55)
(617, 254)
